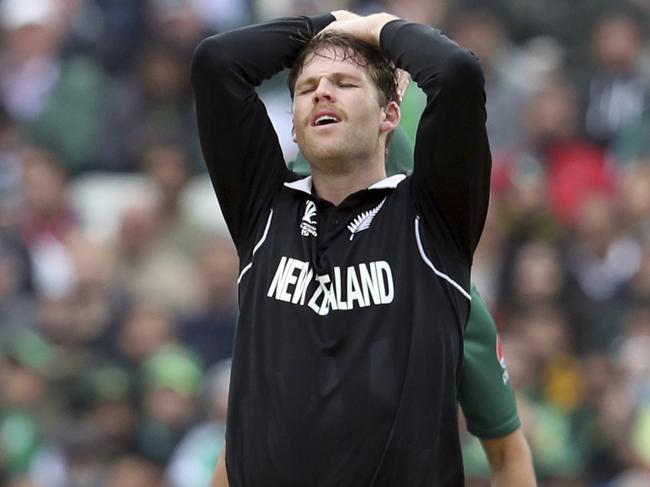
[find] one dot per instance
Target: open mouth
(321, 119)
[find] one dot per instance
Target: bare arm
(219, 476)
(510, 461)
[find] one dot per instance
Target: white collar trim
(305, 185)
(389, 183)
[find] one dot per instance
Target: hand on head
(342, 15)
(366, 28)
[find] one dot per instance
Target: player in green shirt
(485, 394)
(488, 401)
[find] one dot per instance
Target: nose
(324, 91)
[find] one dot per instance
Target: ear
(293, 133)
(391, 114)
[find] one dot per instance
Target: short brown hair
(381, 70)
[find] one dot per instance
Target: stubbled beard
(351, 145)
(320, 151)
(332, 156)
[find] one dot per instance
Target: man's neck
(335, 187)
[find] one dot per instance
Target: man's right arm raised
(239, 145)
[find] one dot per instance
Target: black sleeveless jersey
(349, 342)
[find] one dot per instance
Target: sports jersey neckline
(305, 185)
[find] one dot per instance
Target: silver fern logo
(308, 225)
(364, 219)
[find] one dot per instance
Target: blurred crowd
(118, 278)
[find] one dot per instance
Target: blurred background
(117, 276)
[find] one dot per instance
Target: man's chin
(325, 154)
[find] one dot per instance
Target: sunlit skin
(348, 154)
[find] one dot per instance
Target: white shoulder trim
(430, 264)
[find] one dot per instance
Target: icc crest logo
(308, 225)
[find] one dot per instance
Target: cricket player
(354, 287)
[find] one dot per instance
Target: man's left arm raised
(452, 162)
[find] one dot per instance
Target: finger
(403, 80)
(344, 15)
(341, 26)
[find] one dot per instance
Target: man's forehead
(333, 58)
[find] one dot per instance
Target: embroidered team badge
(308, 225)
(502, 360)
(363, 220)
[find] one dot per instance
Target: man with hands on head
(354, 287)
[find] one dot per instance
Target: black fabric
(349, 343)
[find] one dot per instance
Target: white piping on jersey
(305, 185)
(430, 264)
(256, 248)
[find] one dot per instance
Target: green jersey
(485, 393)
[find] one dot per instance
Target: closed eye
(304, 91)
